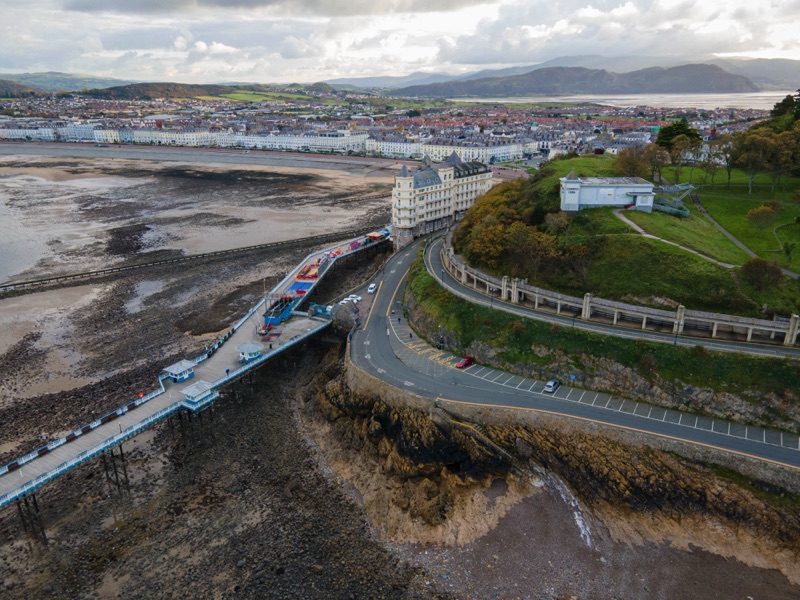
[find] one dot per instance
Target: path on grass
(731, 237)
(638, 229)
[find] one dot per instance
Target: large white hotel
(435, 196)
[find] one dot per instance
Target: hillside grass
(695, 232)
(729, 204)
(515, 337)
(636, 269)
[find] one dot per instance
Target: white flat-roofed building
(435, 196)
(578, 193)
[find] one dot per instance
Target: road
(386, 347)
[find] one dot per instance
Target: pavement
(389, 349)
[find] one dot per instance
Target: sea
(763, 100)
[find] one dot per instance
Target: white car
(372, 287)
(551, 386)
(354, 298)
(345, 301)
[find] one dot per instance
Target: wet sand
(58, 213)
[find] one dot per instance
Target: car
(465, 362)
(354, 298)
(551, 386)
(345, 301)
(372, 287)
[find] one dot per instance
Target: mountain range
(774, 74)
(687, 79)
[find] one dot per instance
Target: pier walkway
(195, 383)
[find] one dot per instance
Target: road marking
(366, 342)
(521, 382)
(367, 356)
(649, 412)
(627, 428)
(568, 393)
(372, 306)
(533, 385)
(582, 395)
(381, 371)
(408, 383)
(607, 401)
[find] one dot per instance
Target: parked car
(465, 362)
(551, 386)
(354, 298)
(345, 301)
(372, 287)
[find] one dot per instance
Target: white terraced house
(435, 196)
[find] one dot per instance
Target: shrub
(761, 274)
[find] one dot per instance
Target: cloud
(327, 8)
(311, 40)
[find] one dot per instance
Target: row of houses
(485, 149)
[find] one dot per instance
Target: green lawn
(695, 232)
(729, 204)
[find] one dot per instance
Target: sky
(265, 41)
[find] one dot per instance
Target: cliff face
(422, 470)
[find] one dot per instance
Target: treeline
(770, 148)
(515, 229)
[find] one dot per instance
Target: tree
(695, 147)
(789, 105)
(656, 157)
(761, 274)
(761, 217)
(667, 134)
(728, 152)
(711, 161)
(630, 161)
(678, 150)
(556, 222)
(755, 146)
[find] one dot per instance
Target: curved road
(387, 348)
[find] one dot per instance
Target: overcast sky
(312, 40)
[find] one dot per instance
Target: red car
(465, 362)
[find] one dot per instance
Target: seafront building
(435, 196)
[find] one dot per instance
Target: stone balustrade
(693, 323)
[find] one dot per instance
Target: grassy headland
(516, 229)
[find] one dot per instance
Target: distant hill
(687, 79)
(416, 78)
(149, 91)
(12, 89)
(772, 73)
(53, 81)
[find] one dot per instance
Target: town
(356, 124)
